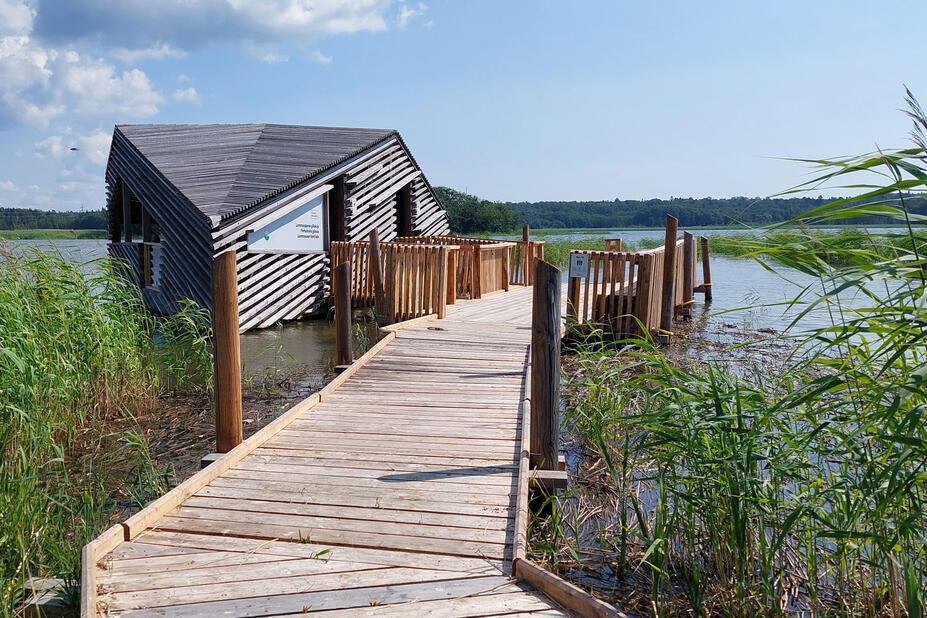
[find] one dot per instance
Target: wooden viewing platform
(400, 489)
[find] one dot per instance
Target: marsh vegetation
(794, 487)
(79, 361)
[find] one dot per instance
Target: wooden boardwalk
(395, 493)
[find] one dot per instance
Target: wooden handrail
(624, 292)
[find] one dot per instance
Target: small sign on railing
(579, 265)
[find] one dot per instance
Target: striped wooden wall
(272, 287)
(186, 247)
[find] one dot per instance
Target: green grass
(77, 363)
(53, 234)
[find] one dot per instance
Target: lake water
(746, 295)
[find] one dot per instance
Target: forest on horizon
(470, 214)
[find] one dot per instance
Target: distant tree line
(32, 219)
(690, 212)
(469, 214)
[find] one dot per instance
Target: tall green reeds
(799, 489)
(77, 362)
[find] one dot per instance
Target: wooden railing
(358, 254)
(621, 293)
(484, 265)
(415, 277)
(521, 261)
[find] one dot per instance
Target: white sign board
(579, 265)
(299, 231)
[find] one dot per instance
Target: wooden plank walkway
(394, 495)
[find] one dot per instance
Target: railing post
(573, 287)
(341, 292)
(442, 279)
(375, 270)
(688, 264)
(545, 366)
(706, 271)
(669, 275)
(452, 276)
(506, 268)
(227, 352)
(476, 274)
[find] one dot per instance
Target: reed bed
(77, 362)
(792, 490)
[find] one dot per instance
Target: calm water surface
(309, 345)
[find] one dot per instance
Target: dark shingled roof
(224, 169)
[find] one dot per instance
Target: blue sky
(509, 100)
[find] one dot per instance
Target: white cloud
(8, 186)
(407, 13)
(93, 87)
(266, 54)
(317, 56)
(188, 95)
(52, 146)
(96, 147)
(184, 78)
(38, 83)
(16, 17)
(190, 24)
(158, 51)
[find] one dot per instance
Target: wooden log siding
(272, 287)
(624, 288)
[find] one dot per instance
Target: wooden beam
(126, 212)
(147, 233)
(336, 216)
(227, 352)
(341, 292)
(545, 366)
(375, 270)
(706, 270)
(567, 594)
(688, 264)
(669, 275)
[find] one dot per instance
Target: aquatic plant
(796, 490)
(76, 364)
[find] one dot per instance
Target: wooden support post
(669, 275)
(545, 366)
(227, 351)
(688, 264)
(476, 274)
(452, 276)
(147, 232)
(506, 266)
(341, 292)
(126, 212)
(706, 270)
(336, 210)
(573, 287)
(442, 278)
(526, 234)
(375, 270)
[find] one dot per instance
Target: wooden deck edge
(393, 328)
(89, 554)
(520, 542)
(563, 592)
(141, 521)
(343, 377)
